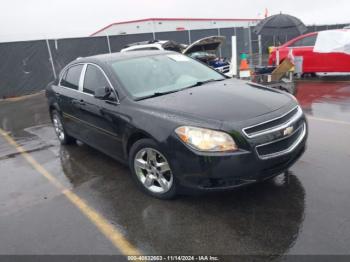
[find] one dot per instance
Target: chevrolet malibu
(179, 125)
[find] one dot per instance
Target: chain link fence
(27, 67)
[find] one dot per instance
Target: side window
(94, 78)
(306, 41)
(297, 43)
(310, 40)
(71, 77)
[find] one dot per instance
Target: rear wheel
(309, 75)
(151, 169)
(62, 135)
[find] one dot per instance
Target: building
(155, 25)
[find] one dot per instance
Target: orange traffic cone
(244, 71)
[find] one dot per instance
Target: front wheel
(62, 135)
(151, 170)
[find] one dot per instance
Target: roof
(119, 56)
(175, 19)
(147, 43)
(310, 34)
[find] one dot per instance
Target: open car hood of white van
(211, 44)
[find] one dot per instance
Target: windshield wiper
(158, 94)
(199, 83)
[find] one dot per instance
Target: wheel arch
(54, 106)
(133, 138)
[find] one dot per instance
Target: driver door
(100, 116)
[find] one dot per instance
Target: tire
(151, 170)
(58, 125)
(313, 75)
(309, 75)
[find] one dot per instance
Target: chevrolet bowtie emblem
(288, 131)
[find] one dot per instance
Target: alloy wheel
(57, 124)
(153, 170)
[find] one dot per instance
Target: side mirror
(103, 92)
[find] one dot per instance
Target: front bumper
(226, 172)
(220, 171)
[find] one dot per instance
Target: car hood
(229, 100)
(211, 43)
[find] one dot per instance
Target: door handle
(78, 102)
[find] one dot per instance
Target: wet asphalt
(304, 211)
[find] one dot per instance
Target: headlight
(205, 139)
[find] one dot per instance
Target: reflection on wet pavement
(325, 99)
(267, 222)
(299, 212)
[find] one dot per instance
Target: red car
(312, 62)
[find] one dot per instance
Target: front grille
(279, 135)
(283, 145)
(275, 124)
(223, 69)
(226, 69)
(255, 130)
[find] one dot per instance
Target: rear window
(71, 77)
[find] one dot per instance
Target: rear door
(68, 97)
(100, 116)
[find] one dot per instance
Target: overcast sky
(34, 19)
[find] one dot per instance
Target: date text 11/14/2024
(173, 258)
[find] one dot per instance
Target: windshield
(145, 76)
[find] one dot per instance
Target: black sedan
(177, 123)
